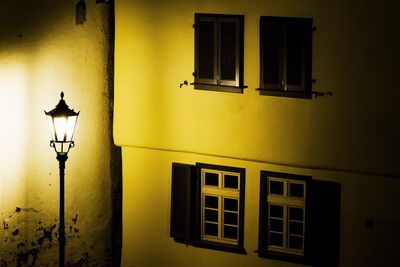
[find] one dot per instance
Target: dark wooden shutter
(285, 56)
(228, 51)
(181, 202)
(324, 228)
(294, 56)
(206, 49)
(263, 216)
(298, 55)
(271, 43)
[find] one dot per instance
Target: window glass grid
(227, 224)
(282, 207)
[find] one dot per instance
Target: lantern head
(62, 121)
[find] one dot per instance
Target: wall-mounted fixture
(62, 121)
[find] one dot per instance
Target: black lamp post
(62, 121)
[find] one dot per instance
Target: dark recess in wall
(115, 151)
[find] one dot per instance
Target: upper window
(219, 52)
(207, 206)
(285, 56)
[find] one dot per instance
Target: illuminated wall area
(350, 138)
(47, 47)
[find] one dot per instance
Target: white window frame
(287, 202)
(221, 192)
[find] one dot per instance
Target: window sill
(283, 257)
(282, 93)
(219, 88)
(219, 246)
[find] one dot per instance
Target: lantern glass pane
(51, 127)
(71, 127)
(60, 124)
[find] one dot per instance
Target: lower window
(208, 203)
(299, 219)
(283, 215)
(220, 198)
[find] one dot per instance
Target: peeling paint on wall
(43, 51)
(22, 248)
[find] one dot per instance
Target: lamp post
(62, 121)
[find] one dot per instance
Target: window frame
(265, 249)
(282, 88)
(212, 243)
(221, 192)
(217, 83)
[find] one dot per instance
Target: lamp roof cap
(62, 109)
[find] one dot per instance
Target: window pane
(276, 211)
(230, 204)
(296, 190)
(295, 242)
(276, 239)
(230, 218)
(211, 229)
(211, 202)
(276, 225)
(211, 215)
(231, 181)
(211, 179)
(230, 232)
(296, 228)
(296, 214)
(275, 187)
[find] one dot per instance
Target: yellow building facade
(349, 138)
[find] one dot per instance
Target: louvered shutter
(206, 50)
(228, 67)
(181, 201)
(271, 43)
(263, 216)
(296, 55)
(285, 56)
(324, 228)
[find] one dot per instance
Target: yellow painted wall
(43, 52)
(350, 138)
(146, 214)
(354, 56)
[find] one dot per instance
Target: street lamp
(62, 121)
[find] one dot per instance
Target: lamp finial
(62, 95)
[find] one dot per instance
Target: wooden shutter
(228, 60)
(271, 54)
(181, 202)
(324, 228)
(294, 64)
(297, 54)
(285, 56)
(263, 216)
(205, 49)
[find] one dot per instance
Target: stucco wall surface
(350, 138)
(43, 51)
(146, 215)
(355, 55)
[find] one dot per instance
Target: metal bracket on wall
(319, 94)
(185, 82)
